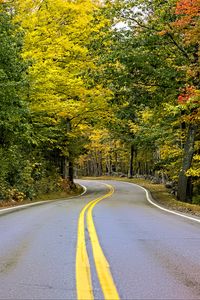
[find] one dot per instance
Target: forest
(93, 87)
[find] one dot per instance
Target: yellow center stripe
(102, 266)
(83, 274)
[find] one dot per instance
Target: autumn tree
(149, 63)
(62, 96)
(187, 25)
(104, 155)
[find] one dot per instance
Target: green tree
(14, 128)
(149, 63)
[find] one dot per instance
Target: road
(152, 254)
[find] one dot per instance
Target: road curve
(152, 254)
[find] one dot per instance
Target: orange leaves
(188, 7)
(190, 99)
(186, 95)
(163, 32)
(188, 12)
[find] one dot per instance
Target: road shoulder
(160, 195)
(19, 206)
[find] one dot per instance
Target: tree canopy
(105, 87)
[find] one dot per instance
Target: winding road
(109, 243)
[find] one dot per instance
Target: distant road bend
(110, 243)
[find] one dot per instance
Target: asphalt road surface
(118, 247)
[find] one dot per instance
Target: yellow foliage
(146, 115)
(134, 128)
(193, 172)
(170, 151)
(195, 169)
(57, 34)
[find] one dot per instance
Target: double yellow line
(83, 273)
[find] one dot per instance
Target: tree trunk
(70, 166)
(131, 162)
(64, 171)
(100, 164)
(184, 186)
(110, 166)
(71, 173)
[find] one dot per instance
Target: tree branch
(178, 46)
(140, 23)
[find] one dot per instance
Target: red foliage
(186, 94)
(188, 7)
(188, 10)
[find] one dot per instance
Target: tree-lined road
(152, 254)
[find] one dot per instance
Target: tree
(62, 96)
(14, 113)
(104, 155)
(150, 63)
(188, 25)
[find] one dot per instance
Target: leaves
(99, 82)
(189, 13)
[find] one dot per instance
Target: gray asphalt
(152, 254)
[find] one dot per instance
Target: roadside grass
(60, 195)
(160, 194)
(45, 197)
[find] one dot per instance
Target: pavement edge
(152, 202)
(5, 211)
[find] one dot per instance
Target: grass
(160, 194)
(44, 197)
